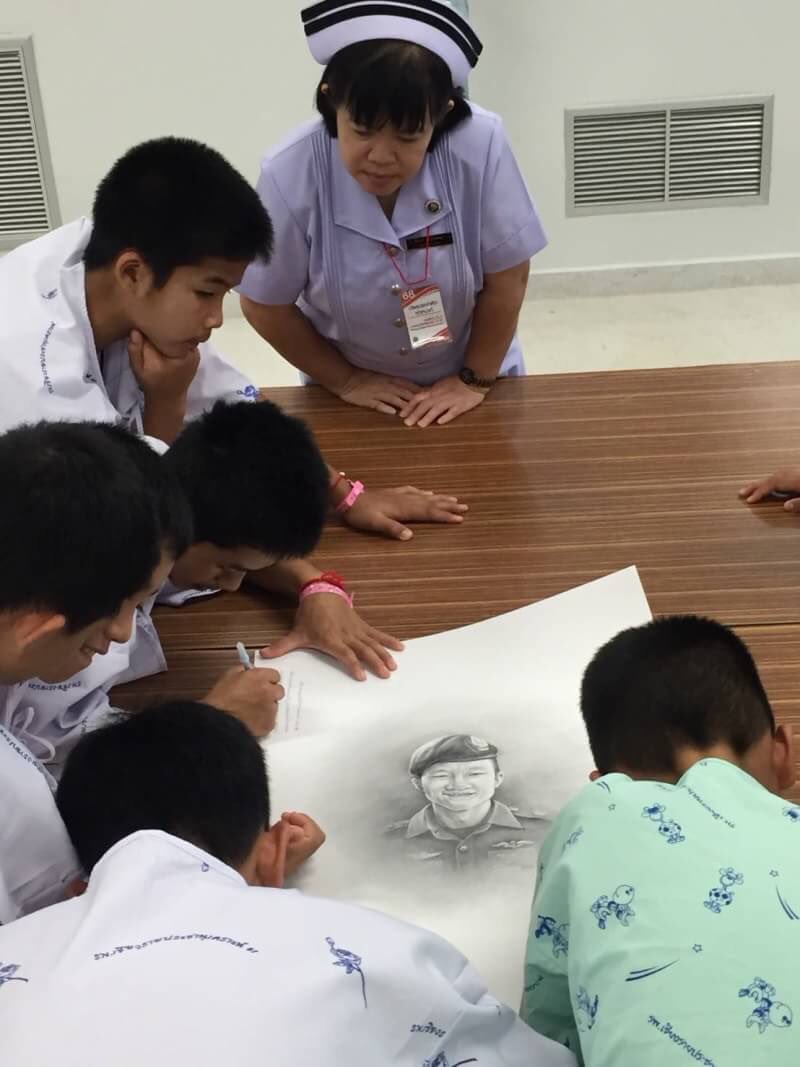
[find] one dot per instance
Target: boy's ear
(783, 757)
(594, 775)
(132, 273)
(32, 626)
(271, 856)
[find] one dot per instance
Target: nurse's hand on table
(304, 837)
(383, 511)
(441, 402)
(783, 481)
(327, 623)
(250, 696)
(379, 392)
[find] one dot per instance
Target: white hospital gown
(50, 717)
(171, 957)
(37, 861)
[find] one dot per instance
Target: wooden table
(568, 477)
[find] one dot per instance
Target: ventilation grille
(27, 200)
(648, 159)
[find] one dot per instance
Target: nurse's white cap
(332, 25)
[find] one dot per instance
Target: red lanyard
(410, 285)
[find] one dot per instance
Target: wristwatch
(469, 377)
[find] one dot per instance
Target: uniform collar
(357, 210)
(424, 823)
(141, 850)
(709, 766)
(64, 279)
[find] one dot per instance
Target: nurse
(403, 224)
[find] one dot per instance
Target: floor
(748, 324)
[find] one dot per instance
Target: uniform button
(396, 287)
(398, 322)
(392, 250)
(403, 351)
(433, 207)
(463, 848)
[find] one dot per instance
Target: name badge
(431, 240)
(426, 321)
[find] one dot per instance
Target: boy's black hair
(176, 202)
(675, 682)
(87, 510)
(394, 82)
(254, 477)
(181, 767)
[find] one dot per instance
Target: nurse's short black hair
(87, 510)
(176, 202)
(678, 682)
(394, 82)
(254, 478)
(183, 767)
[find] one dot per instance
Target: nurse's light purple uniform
(330, 234)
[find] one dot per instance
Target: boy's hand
(162, 379)
(304, 837)
(249, 696)
(383, 511)
(327, 623)
(785, 480)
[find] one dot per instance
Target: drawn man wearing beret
(463, 825)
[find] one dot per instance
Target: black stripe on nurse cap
(332, 25)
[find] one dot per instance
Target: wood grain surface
(568, 478)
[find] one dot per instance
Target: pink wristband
(356, 489)
(325, 587)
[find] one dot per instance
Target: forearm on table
(287, 329)
(494, 321)
(286, 577)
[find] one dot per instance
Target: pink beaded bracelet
(312, 588)
(356, 489)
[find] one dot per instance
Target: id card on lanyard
(422, 305)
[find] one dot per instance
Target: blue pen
(244, 659)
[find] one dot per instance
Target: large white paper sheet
(341, 752)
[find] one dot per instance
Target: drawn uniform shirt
(220, 972)
(663, 923)
(504, 836)
(331, 239)
(51, 369)
(36, 858)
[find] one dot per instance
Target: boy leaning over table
(669, 889)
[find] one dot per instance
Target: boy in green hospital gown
(666, 923)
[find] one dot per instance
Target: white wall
(234, 73)
(545, 55)
(237, 75)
